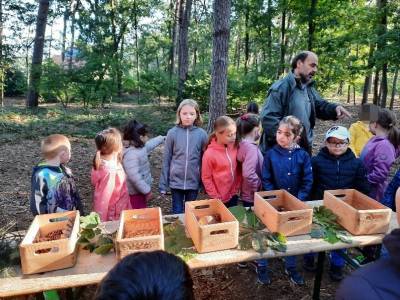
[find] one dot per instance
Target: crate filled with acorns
(50, 243)
(282, 212)
(211, 225)
(358, 213)
(140, 230)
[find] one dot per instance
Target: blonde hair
(294, 125)
(107, 141)
(220, 124)
(192, 103)
(53, 145)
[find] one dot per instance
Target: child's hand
(148, 196)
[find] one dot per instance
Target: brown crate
(136, 221)
(296, 219)
(211, 237)
(63, 252)
(356, 212)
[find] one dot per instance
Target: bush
(15, 83)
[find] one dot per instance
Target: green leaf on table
(89, 247)
(317, 232)
(88, 233)
(239, 212)
(90, 221)
(83, 240)
(176, 241)
(245, 241)
(104, 248)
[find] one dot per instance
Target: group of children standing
(228, 163)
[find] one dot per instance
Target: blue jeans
(233, 201)
(179, 197)
(290, 262)
(334, 256)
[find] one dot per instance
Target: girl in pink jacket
(249, 155)
(219, 170)
(110, 196)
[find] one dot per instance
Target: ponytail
(210, 138)
(97, 160)
(394, 136)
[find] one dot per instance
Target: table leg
(318, 275)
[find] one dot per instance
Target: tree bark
(74, 8)
(183, 58)
(269, 30)
(311, 24)
(64, 32)
(37, 57)
(246, 39)
(381, 45)
(394, 87)
(367, 81)
(218, 90)
(283, 41)
(1, 56)
(376, 88)
(174, 13)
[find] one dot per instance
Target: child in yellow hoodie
(359, 131)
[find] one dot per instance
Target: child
(108, 177)
(390, 193)
(249, 155)
(182, 156)
(147, 275)
(379, 153)
(359, 131)
(287, 166)
(336, 167)
(219, 170)
(53, 186)
(137, 147)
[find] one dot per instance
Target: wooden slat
(91, 268)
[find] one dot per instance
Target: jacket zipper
(187, 154)
(337, 173)
(230, 163)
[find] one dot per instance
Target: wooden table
(91, 268)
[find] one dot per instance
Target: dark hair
(302, 56)
(387, 120)
(147, 275)
(252, 107)
(246, 123)
(132, 132)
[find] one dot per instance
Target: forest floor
(20, 152)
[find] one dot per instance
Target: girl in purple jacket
(380, 152)
(249, 155)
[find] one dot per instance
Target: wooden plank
(91, 268)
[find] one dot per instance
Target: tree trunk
(246, 39)
(183, 58)
(135, 25)
(376, 88)
(37, 57)
(283, 42)
(311, 24)
(218, 90)
(381, 48)
(172, 37)
(384, 87)
(238, 49)
(348, 93)
(269, 30)
(396, 74)
(354, 95)
(64, 33)
(1, 56)
(74, 8)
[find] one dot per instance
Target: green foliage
(15, 82)
(252, 235)
(91, 236)
(326, 227)
(176, 242)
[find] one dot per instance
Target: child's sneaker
(336, 273)
(294, 276)
(309, 264)
(262, 273)
(243, 265)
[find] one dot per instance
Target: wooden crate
(211, 237)
(135, 221)
(295, 219)
(49, 255)
(356, 212)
